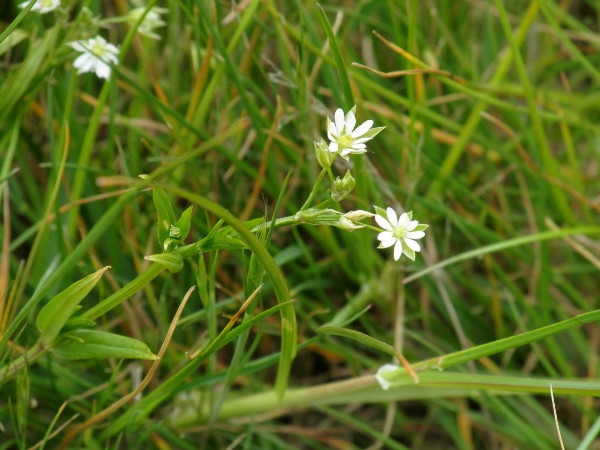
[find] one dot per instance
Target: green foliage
(52, 318)
(485, 126)
(86, 344)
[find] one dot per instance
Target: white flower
(345, 139)
(96, 56)
(150, 22)
(42, 6)
(386, 368)
(399, 231)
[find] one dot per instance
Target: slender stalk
(314, 190)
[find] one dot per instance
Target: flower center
(345, 141)
(98, 50)
(47, 3)
(399, 232)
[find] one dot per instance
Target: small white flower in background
(96, 55)
(399, 232)
(345, 139)
(150, 22)
(42, 6)
(386, 368)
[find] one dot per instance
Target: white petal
(103, 70)
(358, 146)
(77, 45)
(398, 250)
(388, 242)
(363, 128)
(339, 120)
(415, 234)
(412, 225)
(403, 222)
(357, 151)
(84, 63)
(333, 147)
(385, 235)
(383, 223)
(412, 244)
(361, 140)
(383, 383)
(392, 217)
(350, 122)
(332, 132)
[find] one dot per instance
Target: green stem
(31, 356)
(314, 190)
(433, 383)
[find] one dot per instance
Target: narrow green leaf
(166, 216)
(337, 56)
(86, 344)
(522, 240)
(184, 223)
(13, 39)
(19, 82)
(58, 311)
(360, 337)
(149, 402)
(172, 261)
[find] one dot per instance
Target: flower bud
(358, 215)
(342, 187)
(347, 224)
(324, 156)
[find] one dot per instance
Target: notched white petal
(415, 234)
(398, 250)
(403, 221)
(350, 122)
(339, 120)
(362, 129)
(412, 244)
(383, 223)
(392, 217)
(385, 235)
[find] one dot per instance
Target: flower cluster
(97, 55)
(345, 138)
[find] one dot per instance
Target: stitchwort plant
(210, 224)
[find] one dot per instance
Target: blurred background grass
(498, 145)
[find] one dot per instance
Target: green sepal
(59, 310)
(421, 227)
(172, 261)
(381, 212)
(87, 344)
(371, 133)
(409, 252)
(166, 216)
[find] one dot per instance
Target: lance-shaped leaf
(86, 344)
(166, 216)
(57, 312)
(184, 223)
